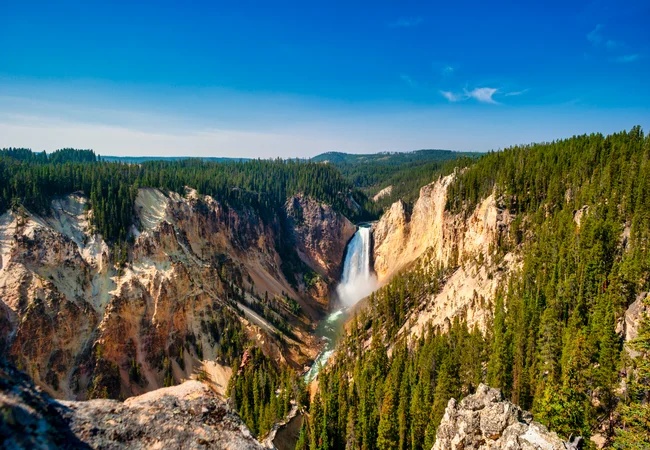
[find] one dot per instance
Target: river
(357, 281)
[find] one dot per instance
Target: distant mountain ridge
(392, 157)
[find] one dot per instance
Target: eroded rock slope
(197, 279)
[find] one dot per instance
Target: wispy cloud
(598, 40)
(483, 95)
(516, 93)
(627, 58)
(453, 97)
(406, 22)
(595, 36)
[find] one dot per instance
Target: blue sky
(300, 78)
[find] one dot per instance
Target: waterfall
(358, 280)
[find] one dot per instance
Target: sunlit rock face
(462, 241)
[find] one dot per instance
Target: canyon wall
(321, 235)
(85, 318)
(463, 241)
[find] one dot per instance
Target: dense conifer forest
(553, 345)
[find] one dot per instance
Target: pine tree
(388, 432)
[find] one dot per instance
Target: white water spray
(357, 281)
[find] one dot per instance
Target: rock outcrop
(485, 421)
(189, 415)
(181, 417)
(629, 327)
(80, 316)
(385, 192)
(465, 241)
(29, 418)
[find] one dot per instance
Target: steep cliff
(321, 235)
(197, 280)
(463, 241)
(400, 238)
(485, 420)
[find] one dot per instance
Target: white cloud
(595, 36)
(483, 94)
(407, 22)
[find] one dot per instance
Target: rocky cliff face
(80, 317)
(485, 420)
(450, 240)
(321, 235)
(400, 238)
(186, 416)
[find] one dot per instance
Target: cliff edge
(189, 415)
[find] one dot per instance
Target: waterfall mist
(358, 281)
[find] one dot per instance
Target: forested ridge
(405, 172)
(33, 179)
(581, 224)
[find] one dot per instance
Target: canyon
(190, 415)
(84, 319)
(81, 317)
(159, 322)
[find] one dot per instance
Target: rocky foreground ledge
(485, 420)
(187, 416)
